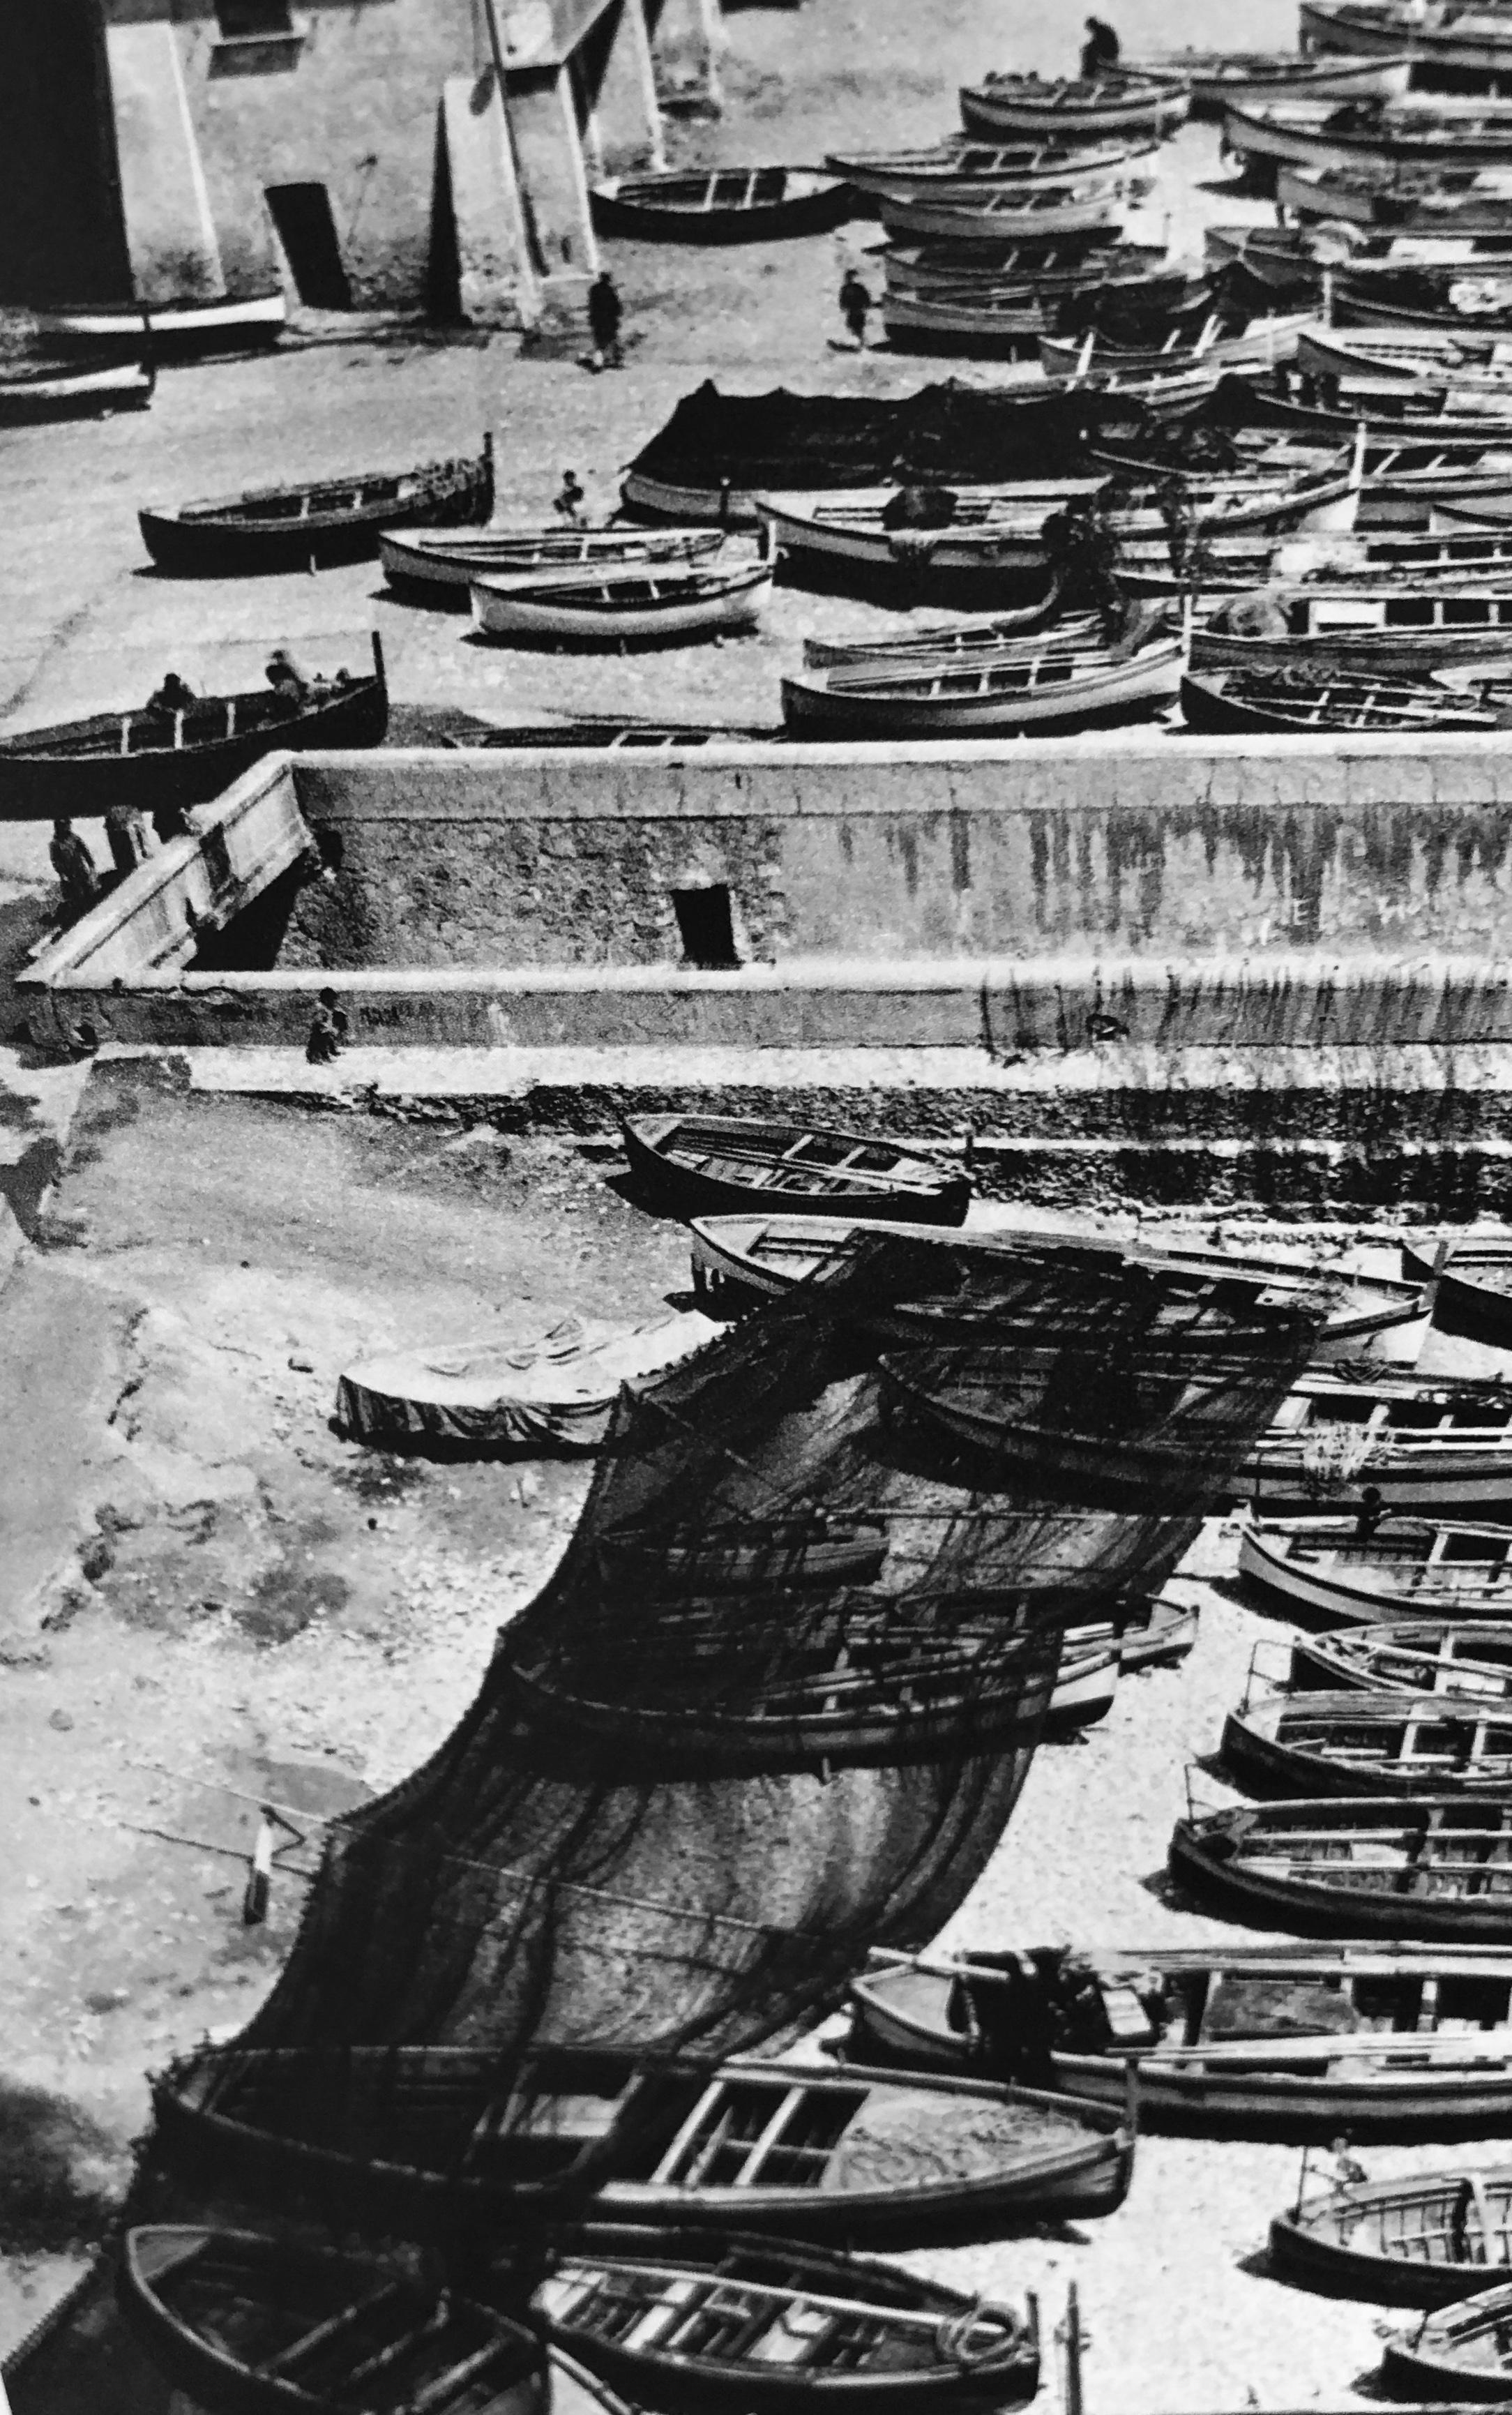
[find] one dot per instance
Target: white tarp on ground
(552, 1393)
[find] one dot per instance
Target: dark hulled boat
(163, 762)
(1422, 2240)
(1474, 1287)
(1354, 1743)
(721, 204)
(1236, 701)
(1324, 1570)
(319, 521)
(1277, 2041)
(710, 1166)
(688, 2319)
(1424, 1866)
(251, 2326)
(1463, 2351)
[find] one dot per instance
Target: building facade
(412, 155)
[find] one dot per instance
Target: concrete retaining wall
(1159, 845)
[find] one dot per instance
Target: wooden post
(1071, 2344)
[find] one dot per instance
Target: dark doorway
(62, 232)
(706, 927)
(307, 230)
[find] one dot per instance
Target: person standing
(1100, 51)
(568, 503)
(126, 832)
(75, 868)
(328, 1030)
(606, 316)
(855, 306)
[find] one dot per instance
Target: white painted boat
(1441, 1446)
(1323, 1569)
(911, 176)
(1074, 264)
(1076, 107)
(1409, 354)
(1470, 1659)
(1034, 211)
(176, 328)
(1478, 41)
(1311, 1743)
(1263, 344)
(1085, 1682)
(1214, 78)
(37, 390)
(1321, 134)
(447, 561)
(629, 605)
(1053, 689)
(967, 322)
(957, 642)
(1397, 631)
(1384, 194)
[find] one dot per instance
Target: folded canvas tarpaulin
(951, 434)
(551, 1394)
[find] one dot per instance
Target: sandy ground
(210, 1597)
(205, 1596)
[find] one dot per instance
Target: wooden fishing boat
(1423, 2238)
(710, 1166)
(1264, 342)
(1477, 40)
(1422, 1865)
(1461, 1659)
(1460, 202)
(912, 176)
(1369, 305)
(693, 2320)
(52, 389)
(554, 1393)
(1356, 630)
(251, 2325)
(624, 605)
(970, 322)
(1155, 1633)
(1444, 356)
(1442, 1446)
(1323, 1569)
(1354, 1743)
(1322, 134)
(1085, 1682)
(790, 1554)
(160, 762)
(1289, 700)
(1462, 2352)
(764, 1257)
(1055, 264)
(412, 2137)
(182, 329)
(1034, 213)
(1214, 78)
(1099, 105)
(325, 520)
(961, 640)
(721, 205)
(1054, 689)
(1272, 2040)
(994, 529)
(1473, 1286)
(444, 562)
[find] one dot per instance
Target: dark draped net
(777, 1702)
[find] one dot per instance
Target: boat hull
(40, 787)
(1263, 1764)
(630, 207)
(442, 564)
(56, 392)
(1314, 2244)
(206, 546)
(1326, 1595)
(173, 330)
(997, 110)
(1376, 34)
(538, 617)
(1110, 693)
(1202, 1859)
(686, 1192)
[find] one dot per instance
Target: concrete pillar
(687, 40)
(169, 233)
(625, 118)
(553, 181)
(498, 280)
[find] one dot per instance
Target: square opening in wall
(307, 230)
(706, 927)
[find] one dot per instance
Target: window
(245, 19)
(706, 927)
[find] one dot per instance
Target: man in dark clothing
(126, 832)
(1100, 51)
(285, 678)
(328, 1030)
(854, 305)
(174, 695)
(606, 311)
(74, 865)
(569, 501)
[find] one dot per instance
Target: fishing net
(946, 432)
(777, 1701)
